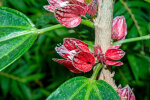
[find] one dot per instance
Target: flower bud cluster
(78, 57)
(67, 11)
(125, 93)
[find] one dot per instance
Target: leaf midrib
(21, 27)
(90, 86)
(25, 32)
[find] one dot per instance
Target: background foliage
(34, 76)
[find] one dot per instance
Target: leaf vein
(78, 90)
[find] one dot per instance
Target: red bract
(125, 93)
(111, 55)
(67, 11)
(92, 10)
(74, 44)
(119, 28)
(97, 50)
(77, 55)
(92, 7)
(81, 1)
(68, 15)
(68, 64)
(83, 61)
(54, 4)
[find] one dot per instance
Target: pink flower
(125, 93)
(77, 55)
(119, 29)
(67, 11)
(111, 55)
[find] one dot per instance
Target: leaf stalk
(96, 71)
(84, 22)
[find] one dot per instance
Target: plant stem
(95, 73)
(84, 22)
(103, 24)
(147, 37)
(41, 31)
(103, 31)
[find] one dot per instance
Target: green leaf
(82, 88)
(147, 1)
(5, 82)
(135, 3)
(140, 66)
(17, 34)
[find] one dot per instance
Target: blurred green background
(35, 76)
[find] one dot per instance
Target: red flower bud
(73, 44)
(77, 55)
(119, 28)
(97, 50)
(54, 4)
(67, 11)
(68, 64)
(125, 93)
(83, 61)
(116, 63)
(112, 54)
(68, 15)
(92, 10)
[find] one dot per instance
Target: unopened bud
(126, 93)
(119, 28)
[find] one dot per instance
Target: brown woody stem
(103, 30)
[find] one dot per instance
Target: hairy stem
(103, 24)
(147, 37)
(103, 31)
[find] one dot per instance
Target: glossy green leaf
(81, 88)
(16, 35)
